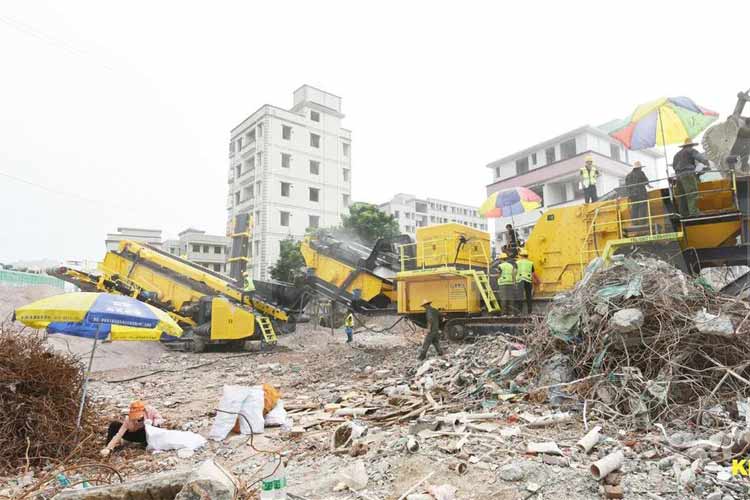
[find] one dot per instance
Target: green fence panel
(17, 278)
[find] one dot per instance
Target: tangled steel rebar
(40, 390)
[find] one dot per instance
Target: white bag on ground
(165, 439)
(252, 409)
(277, 416)
(231, 401)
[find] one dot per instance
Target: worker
(527, 278)
(512, 245)
(506, 282)
(249, 289)
(432, 320)
(589, 176)
(635, 185)
(133, 428)
(349, 328)
(684, 164)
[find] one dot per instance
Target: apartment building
(208, 250)
(150, 236)
(290, 169)
(412, 212)
(551, 169)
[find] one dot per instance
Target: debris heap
(40, 392)
(648, 343)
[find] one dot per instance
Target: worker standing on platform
(635, 183)
(506, 282)
(249, 289)
(349, 328)
(527, 278)
(684, 164)
(432, 320)
(589, 176)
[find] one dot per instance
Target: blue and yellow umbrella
(96, 315)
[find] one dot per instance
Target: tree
(291, 264)
(369, 223)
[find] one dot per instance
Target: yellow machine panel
(229, 322)
(452, 244)
(449, 291)
(336, 273)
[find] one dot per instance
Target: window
(217, 268)
(549, 155)
(239, 144)
(285, 189)
(395, 213)
(250, 164)
(250, 136)
(346, 149)
(260, 159)
(260, 130)
(313, 221)
(497, 172)
(205, 249)
(286, 132)
(249, 194)
(238, 170)
(420, 207)
(533, 158)
(314, 194)
(568, 149)
(522, 165)
(286, 160)
(346, 175)
(315, 140)
(237, 198)
(315, 116)
(345, 200)
(257, 248)
(284, 219)
(614, 151)
(196, 248)
(314, 167)
(231, 146)
(217, 249)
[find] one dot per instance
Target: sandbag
(277, 416)
(231, 402)
(270, 396)
(166, 439)
(252, 409)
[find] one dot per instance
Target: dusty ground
(314, 368)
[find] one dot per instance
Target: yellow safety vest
(506, 274)
(588, 177)
(349, 321)
(249, 285)
(525, 268)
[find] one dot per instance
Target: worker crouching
(133, 428)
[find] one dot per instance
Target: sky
(118, 114)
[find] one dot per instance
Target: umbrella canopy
(92, 309)
(510, 202)
(114, 332)
(667, 120)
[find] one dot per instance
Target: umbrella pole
(86, 379)
(666, 158)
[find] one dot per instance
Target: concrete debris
(354, 476)
(713, 324)
(511, 472)
(626, 320)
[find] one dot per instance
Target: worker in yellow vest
(589, 176)
(506, 282)
(249, 289)
(349, 328)
(527, 278)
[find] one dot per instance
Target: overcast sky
(123, 110)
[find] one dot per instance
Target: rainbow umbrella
(667, 120)
(510, 202)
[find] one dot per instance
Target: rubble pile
(648, 344)
(40, 391)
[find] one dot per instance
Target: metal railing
(648, 225)
(442, 252)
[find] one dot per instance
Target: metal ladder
(485, 290)
(266, 328)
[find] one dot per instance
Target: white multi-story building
(551, 169)
(412, 212)
(209, 250)
(290, 170)
(150, 236)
